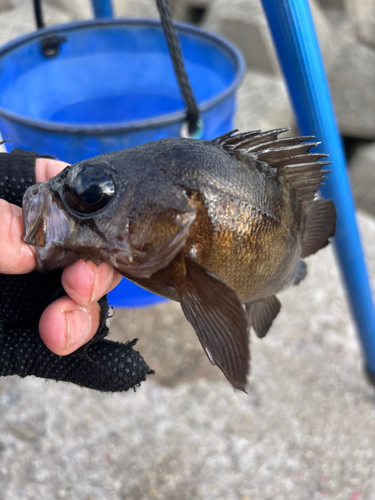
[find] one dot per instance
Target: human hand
(35, 305)
(72, 320)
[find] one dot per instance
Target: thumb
(45, 168)
(15, 256)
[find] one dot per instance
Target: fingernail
(78, 327)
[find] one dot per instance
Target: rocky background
(306, 431)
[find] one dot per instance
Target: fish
(220, 226)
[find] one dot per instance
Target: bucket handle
(193, 125)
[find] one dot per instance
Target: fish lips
(46, 227)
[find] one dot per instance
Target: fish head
(96, 210)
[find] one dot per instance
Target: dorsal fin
(290, 155)
(246, 139)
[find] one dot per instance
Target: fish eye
(88, 190)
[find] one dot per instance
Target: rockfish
(220, 226)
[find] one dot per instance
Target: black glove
(100, 364)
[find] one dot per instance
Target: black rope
(38, 14)
(192, 113)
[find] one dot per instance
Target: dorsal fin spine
(290, 156)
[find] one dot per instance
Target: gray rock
(21, 20)
(244, 23)
(82, 9)
(138, 8)
(5, 5)
(350, 64)
(362, 175)
(74, 9)
(180, 8)
(262, 103)
(339, 5)
(363, 12)
(351, 72)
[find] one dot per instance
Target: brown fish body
(255, 247)
(211, 224)
(252, 242)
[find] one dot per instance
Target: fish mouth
(46, 227)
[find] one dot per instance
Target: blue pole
(294, 36)
(102, 8)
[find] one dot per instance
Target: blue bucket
(109, 86)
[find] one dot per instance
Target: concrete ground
(305, 431)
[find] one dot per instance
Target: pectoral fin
(219, 320)
(320, 225)
(260, 314)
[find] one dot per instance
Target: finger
(85, 282)
(46, 168)
(65, 326)
(15, 257)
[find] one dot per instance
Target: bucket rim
(136, 125)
